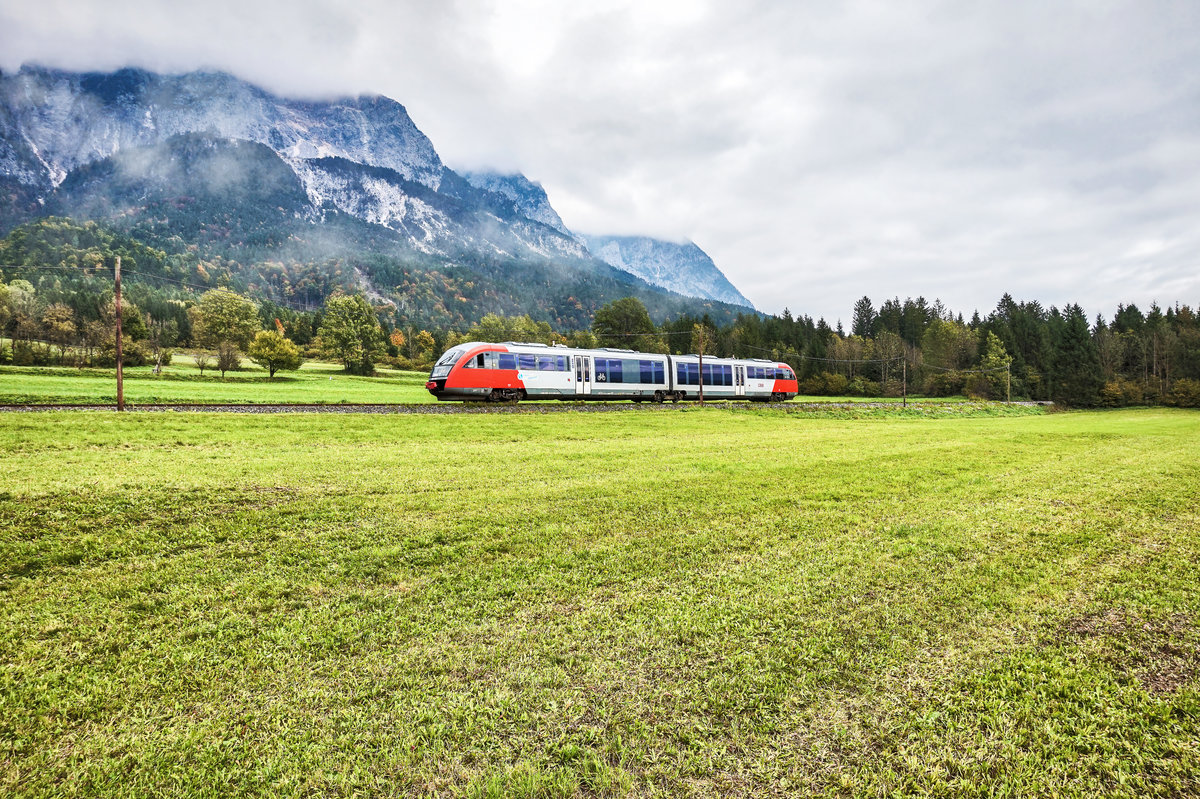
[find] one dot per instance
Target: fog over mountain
(817, 152)
(103, 145)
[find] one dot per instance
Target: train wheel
(658, 397)
(675, 397)
(496, 395)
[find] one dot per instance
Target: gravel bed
(469, 407)
(413, 408)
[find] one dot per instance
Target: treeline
(1018, 351)
(56, 307)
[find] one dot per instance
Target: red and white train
(510, 371)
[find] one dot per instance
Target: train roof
(536, 345)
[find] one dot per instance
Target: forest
(56, 308)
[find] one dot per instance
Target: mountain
(682, 268)
(207, 160)
(528, 196)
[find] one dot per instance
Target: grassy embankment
(315, 382)
(701, 602)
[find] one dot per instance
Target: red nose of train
(431, 385)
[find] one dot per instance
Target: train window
(546, 363)
(527, 362)
(727, 373)
(608, 370)
(508, 360)
(474, 363)
(651, 371)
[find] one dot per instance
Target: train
(512, 371)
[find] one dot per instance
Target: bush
(1185, 393)
(861, 387)
(978, 387)
(835, 384)
(132, 354)
(1120, 392)
(946, 384)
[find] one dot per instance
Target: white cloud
(818, 152)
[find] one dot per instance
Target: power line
(94, 271)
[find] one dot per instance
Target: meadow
(694, 602)
(181, 382)
(316, 382)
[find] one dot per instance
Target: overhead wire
(92, 271)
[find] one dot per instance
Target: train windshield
(450, 356)
(442, 367)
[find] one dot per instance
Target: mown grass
(694, 603)
(315, 382)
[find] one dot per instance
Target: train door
(583, 374)
(739, 381)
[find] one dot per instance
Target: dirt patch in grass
(1163, 654)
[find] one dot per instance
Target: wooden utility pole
(1008, 381)
(700, 367)
(120, 373)
(904, 389)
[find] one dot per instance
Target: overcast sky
(817, 151)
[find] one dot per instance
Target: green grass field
(695, 602)
(315, 382)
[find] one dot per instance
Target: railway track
(394, 408)
(426, 408)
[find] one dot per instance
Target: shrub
(1119, 392)
(1185, 393)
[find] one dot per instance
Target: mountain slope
(73, 119)
(528, 196)
(682, 268)
(278, 189)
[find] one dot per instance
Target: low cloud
(817, 153)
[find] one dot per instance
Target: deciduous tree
(623, 323)
(273, 352)
(224, 316)
(227, 357)
(350, 332)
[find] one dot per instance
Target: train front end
(472, 372)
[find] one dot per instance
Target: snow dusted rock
(72, 119)
(683, 268)
(206, 151)
(528, 196)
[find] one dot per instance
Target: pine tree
(1077, 378)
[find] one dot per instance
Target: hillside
(277, 189)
